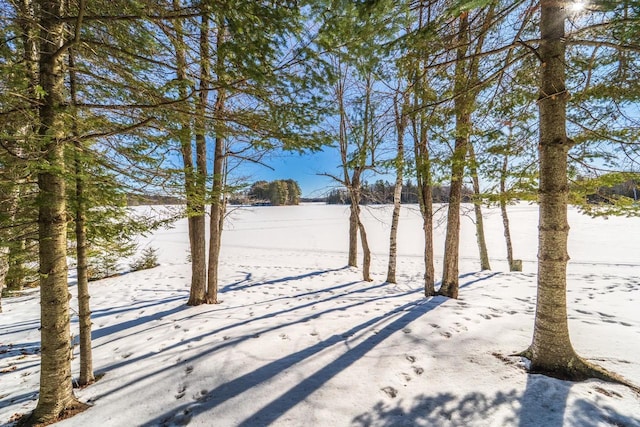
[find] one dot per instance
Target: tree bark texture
(401, 125)
(84, 310)
(477, 209)
(551, 348)
(217, 218)
(199, 182)
(419, 124)
(503, 210)
(352, 188)
(353, 235)
(356, 227)
(426, 209)
(56, 392)
(463, 104)
(366, 253)
(217, 187)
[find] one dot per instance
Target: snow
(300, 340)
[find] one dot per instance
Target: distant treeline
(381, 192)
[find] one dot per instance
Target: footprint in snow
(181, 391)
(390, 391)
(201, 395)
(406, 377)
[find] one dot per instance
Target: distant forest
(381, 192)
(287, 192)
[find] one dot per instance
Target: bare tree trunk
(423, 163)
(366, 253)
(354, 221)
(84, 310)
(401, 125)
(425, 198)
(393, 234)
(199, 184)
(194, 194)
(353, 215)
(217, 218)
(56, 391)
(217, 187)
(503, 209)
(551, 349)
(477, 209)
(353, 234)
(450, 281)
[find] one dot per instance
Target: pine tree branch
(113, 132)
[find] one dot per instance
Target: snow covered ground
(300, 340)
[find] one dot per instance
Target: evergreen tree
(551, 351)
(56, 393)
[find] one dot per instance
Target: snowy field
(300, 340)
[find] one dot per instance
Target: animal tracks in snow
(404, 377)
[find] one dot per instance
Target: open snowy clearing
(300, 340)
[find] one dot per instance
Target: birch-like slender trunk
(353, 234)
(353, 192)
(401, 125)
(217, 187)
(84, 309)
(425, 200)
(366, 253)
(217, 214)
(357, 225)
(503, 206)
(477, 209)
(419, 124)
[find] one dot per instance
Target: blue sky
(304, 168)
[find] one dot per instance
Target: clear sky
(303, 168)
(306, 169)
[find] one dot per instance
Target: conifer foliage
(102, 99)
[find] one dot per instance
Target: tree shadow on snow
(137, 305)
(400, 317)
(484, 275)
(247, 283)
(274, 314)
(404, 315)
(543, 403)
(127, 324)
